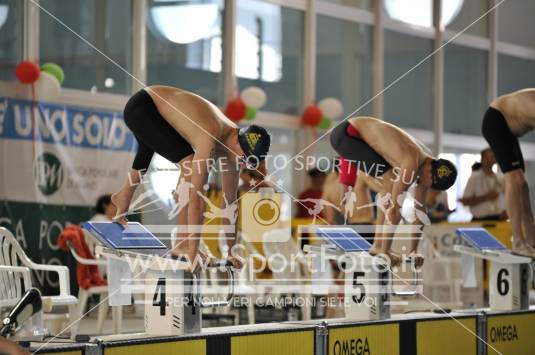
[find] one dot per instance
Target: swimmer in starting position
(191, 132)
(509, 117)
(396, 160)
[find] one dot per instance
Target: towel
(86, 275)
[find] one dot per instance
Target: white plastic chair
(15, 275)
(102, 291)
(14, 280)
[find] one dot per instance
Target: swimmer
(509, 117)
(191, 132)
(397, 160)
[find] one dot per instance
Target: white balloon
(254, 97)
(47, 87)
(331, 107)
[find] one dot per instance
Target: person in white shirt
(482, 192)
(104, 212)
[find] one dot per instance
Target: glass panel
(11, 30)
(184, 46)
(105, 24)
(266, 58)
(361, 4)
(344, 63)
(471, 10)
(465, 89)
(515, 74)
(408, 103)
(420, 12)
(515, 22)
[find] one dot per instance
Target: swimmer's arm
(420, 195)
(394, 213)
(229, 184)
(199, 177)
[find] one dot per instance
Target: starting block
(509, 273)
(172, 293)
(368, 279)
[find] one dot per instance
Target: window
(514, 74)
(106, 25)
(269, 53)
(362, 4)
(420, 12)
(11, 31)
(515, 22)
(184, 46)
(344, 63)
(469, 12)
(465, 89)
(408, 103)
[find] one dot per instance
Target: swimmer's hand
(121, 201)
(236, 262)
(418, 259)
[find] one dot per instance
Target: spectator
(104, 212)
(314, 192)
(437, 205)
(104, 209)
(482, 192)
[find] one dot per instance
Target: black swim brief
(502, 141)
(153, 132)
(346, 141)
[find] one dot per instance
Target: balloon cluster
(47, 80)
(322, 114)
(246, 105)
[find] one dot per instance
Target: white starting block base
(367, 283)
(172, 294)
(170, 307)
(508, 280)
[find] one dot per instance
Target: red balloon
(312, 115)
(235, 110)
(27, 72)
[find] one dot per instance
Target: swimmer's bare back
(396, 146)
(192, 116)
(518, 108)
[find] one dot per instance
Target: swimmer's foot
(523, 249)
(374, 250)
(392, 258)
(121, 201)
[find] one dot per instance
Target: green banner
(37, 227)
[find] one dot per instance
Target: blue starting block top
(345, 239)
(131, 236)
(480, 239)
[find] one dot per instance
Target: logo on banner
(48, 173)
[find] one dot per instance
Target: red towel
(86, 275)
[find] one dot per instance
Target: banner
(56, 161)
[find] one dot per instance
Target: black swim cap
(254, 141)
(443, 174)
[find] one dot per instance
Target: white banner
(61, 155)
